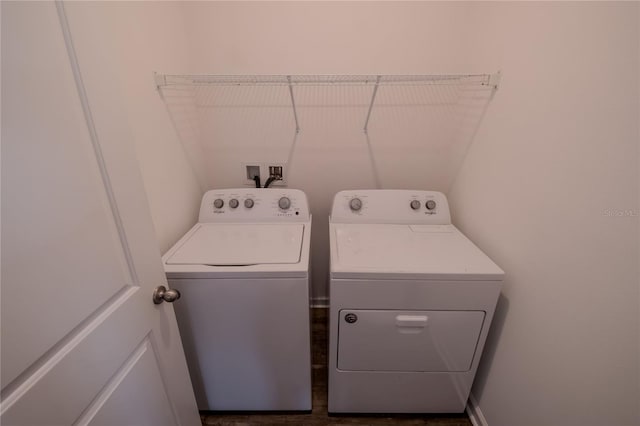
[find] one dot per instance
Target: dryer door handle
(414, 321)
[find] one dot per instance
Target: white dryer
(411, 303)
(243, 273)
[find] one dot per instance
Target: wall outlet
(276, 170)
(249, 171)
(264, 171)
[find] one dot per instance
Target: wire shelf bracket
(494, 80)
(293, 104)
(373, 99)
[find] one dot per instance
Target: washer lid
(240, 245)
(420, 251)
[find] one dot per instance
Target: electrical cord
(256, 179)
(269, 181)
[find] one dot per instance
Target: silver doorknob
(162, 294)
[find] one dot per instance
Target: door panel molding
(95, 141)
(20, 385)
(66, 379)
(105, 395)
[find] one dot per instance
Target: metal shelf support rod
(373, 98)
(293, 104)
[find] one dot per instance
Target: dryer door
(412, 341)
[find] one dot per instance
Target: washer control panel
(391, 206)
(254, 205)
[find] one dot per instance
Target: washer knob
(284, 203)
(233, 203)
(415, 204)
(248, 203)
(430, 205)
(218, 203)
(355, 204)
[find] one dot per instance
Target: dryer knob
(248, 203)
(415, 204)
(218, 203)
(284, 203)
(355, 204)
(430, 205)
(233, 203)
(351, 318)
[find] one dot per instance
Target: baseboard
(474, 413)
(320, 302)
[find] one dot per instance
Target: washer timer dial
(355, 204)
(218, 203)
(430, 205)
(415, 204)
(284, 203)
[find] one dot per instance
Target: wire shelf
(164, 80)
(200, 83)
(337, 111)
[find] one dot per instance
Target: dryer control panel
(391, 206)
(254, 205)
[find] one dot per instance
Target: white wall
(120, 45)
(331, 151)
(554, 161)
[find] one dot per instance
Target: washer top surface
(240, 245)
(245, 233)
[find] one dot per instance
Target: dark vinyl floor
(319, 416)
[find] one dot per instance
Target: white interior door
(82, 341)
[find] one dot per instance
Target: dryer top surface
(386, 251)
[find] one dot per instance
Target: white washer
(411, 304)
(243, 272)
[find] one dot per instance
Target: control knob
(430, 205)
(284, 203)
(218, 203)
(233, 203)
(355, 204)
(248, 203)
(415, 204)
